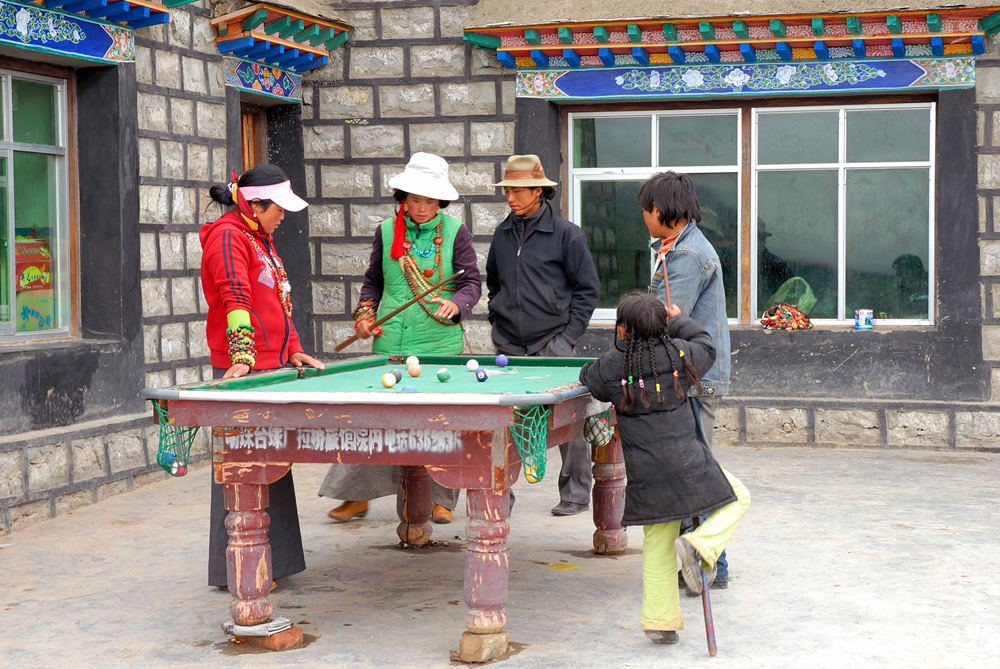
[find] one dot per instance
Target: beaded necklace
(282, 285)
(420, 281)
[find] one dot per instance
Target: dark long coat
(671, 473)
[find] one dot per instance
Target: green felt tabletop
(521, 375)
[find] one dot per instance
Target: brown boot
(441, 515)
(349, 510)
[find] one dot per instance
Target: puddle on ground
(231, 649)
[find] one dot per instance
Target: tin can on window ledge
(863, 319)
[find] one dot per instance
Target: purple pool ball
(501, 360)
(481, 374)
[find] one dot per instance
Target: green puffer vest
(413, 331)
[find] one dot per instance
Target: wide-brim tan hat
(426, 175)
(524, 172)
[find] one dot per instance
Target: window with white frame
(34, 228)
(839, 202)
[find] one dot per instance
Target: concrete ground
(846, 558)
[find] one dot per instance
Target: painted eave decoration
(746, 55)
(266, 47)
(94, 30)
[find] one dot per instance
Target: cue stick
(351, 340)
(706, 605)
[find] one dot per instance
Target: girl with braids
(249, 329)
(659, 356)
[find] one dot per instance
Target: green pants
(661, 604)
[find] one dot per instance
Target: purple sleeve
(469, 286)
(374, 281)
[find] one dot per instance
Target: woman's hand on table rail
(300, 359)
(236, 371)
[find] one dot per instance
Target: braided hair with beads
(643, 320)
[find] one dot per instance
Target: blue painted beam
(937, 46)
(748, 52)
(606, 57)
(153, 20)
(113, 8)
(136, 13)
(313, 64)
(713, 54)
(541, 60)
(59, 3)
(784, 50)
(821, 51)
(303, 60)
(898, 49)
(287, 57)
(507, 59)
(234, 45)
(978, 45)
(84, 5)
(641, 55)
(677, 54)
(859, 47)
(260, 51)
(571, 57)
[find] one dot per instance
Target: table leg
(248, 556)
(413, 506)
(609, 498)
(486, 569)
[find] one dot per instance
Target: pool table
(455, 432)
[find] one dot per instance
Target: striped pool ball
(481, 374)
(443, 374)
(388, 380)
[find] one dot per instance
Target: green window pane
(887, 242)
(797, 241)
(6, 249)
(694, 141)
(718, 195)
(612, 221)
(883, 135)
(788, 138)
(35, 227)
(612, 142)
(35, 112)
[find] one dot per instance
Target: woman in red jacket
(250, 329)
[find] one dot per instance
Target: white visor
(281, 194)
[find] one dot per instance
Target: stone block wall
(182, 149)
(405, 83)
(988, 159)
(47, 473)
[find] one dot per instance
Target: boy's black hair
(400, 195)
(264, 174)
(644, 319)
(674, 197)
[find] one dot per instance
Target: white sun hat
(426, 175)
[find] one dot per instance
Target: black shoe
(665, 636)
(569, 509)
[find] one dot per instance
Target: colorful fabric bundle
(784, 316)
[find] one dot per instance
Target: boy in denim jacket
(694, 283)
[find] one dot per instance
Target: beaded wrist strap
(366, 310)
(241, 345)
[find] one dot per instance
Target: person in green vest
(416, 249)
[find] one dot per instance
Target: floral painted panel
(748, 78)
(262, 79)
(39, 29)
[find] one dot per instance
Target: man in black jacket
(543, 289)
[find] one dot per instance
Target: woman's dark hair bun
(222, 195)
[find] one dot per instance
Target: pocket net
(173, 453)
(528, 431)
